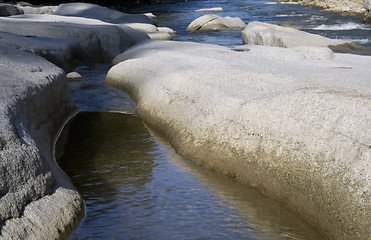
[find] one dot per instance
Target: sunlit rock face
(294, 127)
(215, 22)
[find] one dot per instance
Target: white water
(343, 26)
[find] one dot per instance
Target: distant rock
(354, 6)
(9, 10)
(214, 9)
(273, 35)
(160, 35)
(297, 130)
(74, 77)
(215, 22)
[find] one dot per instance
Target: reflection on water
(136, 187)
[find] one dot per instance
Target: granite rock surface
(295, 128)
(37, 201)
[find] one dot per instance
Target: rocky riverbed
(290, 120)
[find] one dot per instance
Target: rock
(160, 36)
(74, 77)
(367, 18)
(150, 15)
(37, 200)
(93, 11)
(66, 54)
(273, 35)
(353, 6)
(102, 41)
(298, 131)
(9, 10)
(214, 9)
(159, 33)
(367, 5)
(166, 30)
(143, 27)
(214, 22)
(290, 55)
(38, 9)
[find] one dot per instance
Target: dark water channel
(136, 187)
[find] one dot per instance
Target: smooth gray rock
(37, 201)
(9, 10)
(298, 131)
(66, 54)
(273, 35)
(215, 22)
(37, 9)
(93, 11)
(102, 41)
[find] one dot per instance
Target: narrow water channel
(136, 187)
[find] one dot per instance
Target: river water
(134, 184)
(312, 19)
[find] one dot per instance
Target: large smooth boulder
(9, 10)
(66, 54)
(273, 35)
(215, 22)
(37, 200)
(102, 41)
(93, 11)
(298, 131)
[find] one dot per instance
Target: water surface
(136, 187)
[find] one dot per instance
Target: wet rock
(214, 22)
(102, 41)
(160, 35)
(9, 10)
(66, 54)
(273, 35)
(296, 130)
(37, 201)
(367, 5)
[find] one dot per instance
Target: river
(134, 184)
